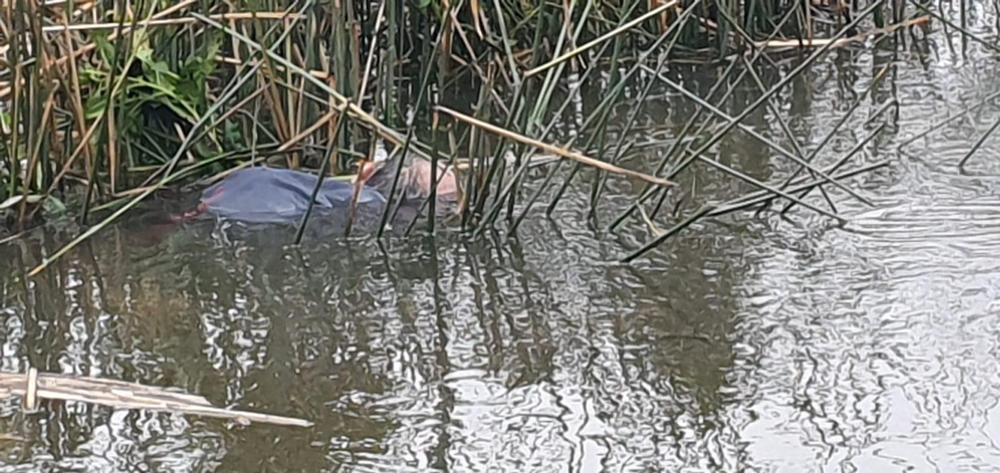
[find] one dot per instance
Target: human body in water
(263, 195)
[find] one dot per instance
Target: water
(742, 345)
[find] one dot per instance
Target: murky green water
(743, 345)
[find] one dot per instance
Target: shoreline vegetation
(104, 103)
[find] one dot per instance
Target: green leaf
(95, 105)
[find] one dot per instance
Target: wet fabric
(272, 195)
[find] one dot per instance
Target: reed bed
(103, 103)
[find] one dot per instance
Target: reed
(100, 107)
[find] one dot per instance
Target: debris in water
(123, 395)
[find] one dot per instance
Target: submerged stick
(564, 153)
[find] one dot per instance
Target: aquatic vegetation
(106, 102)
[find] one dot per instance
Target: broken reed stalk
(561, 152)
(34, 386)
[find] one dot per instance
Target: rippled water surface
(744, 344)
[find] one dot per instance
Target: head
(370, 168)
(415, 178)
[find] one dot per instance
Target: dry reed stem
(270, 16)
(794, 43)
(559, 151)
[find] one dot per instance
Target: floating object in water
(34, 386)
(415, 179)
(281, 196)
(271, 195)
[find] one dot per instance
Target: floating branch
(33, 386)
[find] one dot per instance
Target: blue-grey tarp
(272, 195)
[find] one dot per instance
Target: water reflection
(743, 345)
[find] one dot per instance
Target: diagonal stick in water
(667, 234)
(762, 197)
(757, 183)
(766, 196)
(713, 211)
(787, 131)
(698, 153)
(843, 119)
(948, 119)
(843, 160)
(649, 191)
(753, 133)
(562, 152)
(979, 143)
